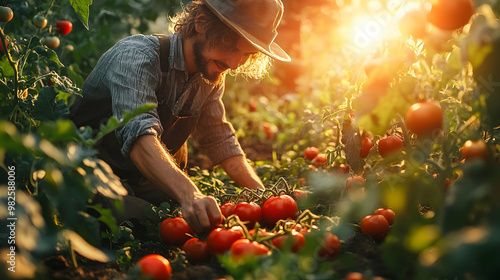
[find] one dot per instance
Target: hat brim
(273, 50)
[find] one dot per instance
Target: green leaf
(62, 130)
(5, 67)
(48, 53)
(47, 108)
(81, 8)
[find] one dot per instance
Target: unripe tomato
(155, 266)
(197, 250)
(390, 145)
(175, 231)
(451, 14)
(244, 248)
(220, 239)
(6, 14)
(376, 226)
(279, 208)
(387, 213)
(310, 153)
(248, 212)
(424, 118)
(474, 150)
(39, 21)
(64, 27)
(52, 42)
(298, 241)
(330, 247)
(366, 145)
(414, 23)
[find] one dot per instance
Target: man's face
(214, 62)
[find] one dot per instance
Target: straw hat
(255, 20)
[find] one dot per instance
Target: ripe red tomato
(310, 153)
(6, 44)
(39, 21)
(175, 231)
(354, 276)
(376, 226)
(268, 131)
(220, 239)
(252, 105)
(387, 213)
(414, 23)
(298, 241)
(64, 27)
(356, 182)
(52, 42)
(278, 208)
(424, 118)
(155, 266)
(248, 212)
(320, 160)
(227, 209)
(381, 71)
(197, 250)
(6, 14)
(451, 14)
(390, 145)
(474, 150)
(330, 247)
(366, 145)
(244, 248)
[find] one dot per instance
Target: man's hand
(201, 212)
(242, 173)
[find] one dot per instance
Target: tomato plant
(376, 226)
(39, 21)
(249, 212)
(390, 145)
(197, 250)
(387, 213)
(278, 208)
(451, 14)
(244, 248)
(219, 240)
(474, 150)
(156, 266)
(310, 153)
(296, 239)
(175, 231)
(64, 27)
(6, 14)
(366, 145)
(424, 118)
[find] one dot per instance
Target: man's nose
(235, 61)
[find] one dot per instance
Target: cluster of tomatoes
(63, 27)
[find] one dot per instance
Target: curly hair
(217, 33)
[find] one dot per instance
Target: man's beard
(202, 64)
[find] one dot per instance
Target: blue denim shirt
(128, 76)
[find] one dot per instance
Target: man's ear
(199, 22)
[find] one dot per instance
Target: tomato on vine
(390, 145)
(296, 239)
(244, 248)
(320, 160)
(175, 231)
(413, 23)
(366, 145)
(249, 212)
(39, 21)
(52, 42)
(279, 208)
(6, 14)
(156, 266)
(354, 276)
(355, 182)
(6, 45)
(227, 209)
(310, 153)
(424, 118)
(220, 240)
(376, 226)
(451, 14)
(64, 27)
(197, 250)
(330, 247)
(387, 213)
(474, 150)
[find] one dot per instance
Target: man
(211, 38)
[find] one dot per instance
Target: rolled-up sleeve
(214, 134)
(132, 79)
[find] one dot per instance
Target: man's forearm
(241, 172)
